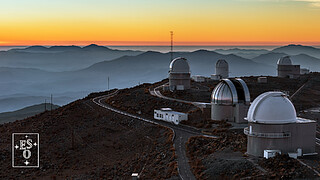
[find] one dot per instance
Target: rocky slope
(84, 141)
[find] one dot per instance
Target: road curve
(182, 134)
(155, 92)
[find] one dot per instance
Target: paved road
(182, 134)
(156, 92)
(183, 162)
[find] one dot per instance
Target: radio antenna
(171, 52)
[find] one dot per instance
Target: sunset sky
(148, 22)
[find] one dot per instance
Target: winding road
(156, 92)
(182, 134)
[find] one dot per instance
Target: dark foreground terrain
(84, 141)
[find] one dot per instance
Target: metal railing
(266, 135)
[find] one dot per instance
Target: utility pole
(171, 52)
(45, 104)
(108, 83)
(51, 104)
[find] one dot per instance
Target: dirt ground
(225, 158)
(84, 141)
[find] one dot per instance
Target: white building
(222, 70)
(262, 80)
(273, 125)
(304, 71)
(286, 69)
(179, 74)
(198, 78)
(167, 114)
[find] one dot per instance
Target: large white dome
(285, 61)
(272, 108)
(179, 65)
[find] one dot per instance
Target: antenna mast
(108, 83)
(171, 52)
(51, 105)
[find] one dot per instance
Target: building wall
(215, 77)
(170, 116)
(240, 113)
(292, 71)
(232, 113)
(223, 72)
(302, 136)
(222, 112)
(179, 79)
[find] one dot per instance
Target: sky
(149, 22)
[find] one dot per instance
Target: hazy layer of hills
(25, 112)
(59, 58)
(245, 53)
(298, 49)
(89, 68)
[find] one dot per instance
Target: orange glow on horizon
(152, 43)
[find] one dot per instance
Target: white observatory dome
(229, 92)
(222, 69)
(272, 108)
(179, 65)
(285, 61)
(222, 64)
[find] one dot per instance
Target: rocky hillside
(84, 141)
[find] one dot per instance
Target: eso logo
(25, 150)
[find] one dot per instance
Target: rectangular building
(167, 114)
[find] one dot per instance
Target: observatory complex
(230, 101)
(222, 70)
(286, 69)
(274, 126)
(179, 74)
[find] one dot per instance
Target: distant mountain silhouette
(64, 48)
(293, 49)
(123, 72)
(25, 112)
(11, 103)
(201, 62)
(32, 48)
(305, 61)
(269, 58)
(89, 68)
(59, 58)
(94, 47)
(245, 53)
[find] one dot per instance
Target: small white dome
(272, 108)
(179, 65)
(285, 61)
(222, 64)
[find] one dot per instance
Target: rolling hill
(304, 60)
(59, 58)
(25, 112)
(124, 71)
(293, 49)
(245, 53)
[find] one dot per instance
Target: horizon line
(157, 43)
